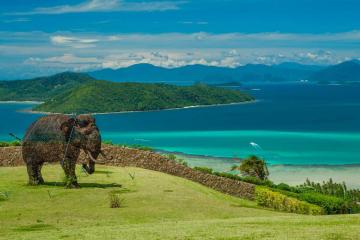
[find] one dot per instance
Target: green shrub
(302, 194)
(115, 201)
(10, 144)
(275, 200)
(331, 204)
(15, 143)
(333, 189)
(283, 186)
(135, 146)
(108, 142)
(204, 169)
(254, 166)
(4, 196)
(141, 147)
(333, 197)
(248, 179)
(228, 175)
(181, 161)
(171, 157)
(287, 193)
(257, 181)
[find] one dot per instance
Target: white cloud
(230, 40)
(188, 40)
(17, 20)
(61, 51)
(175, 58)
(170, 58)
(67, 58)
(191, 22)
(106, 6)
(74, 42)
(319, 57)
(67, 61)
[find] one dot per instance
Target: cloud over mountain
(106, 6)
(114, 50)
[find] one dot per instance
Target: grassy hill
(155, 206)
(104, 96)
(42, 88)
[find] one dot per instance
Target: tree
(255, 167)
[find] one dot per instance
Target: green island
(79, 93)
(41, 88)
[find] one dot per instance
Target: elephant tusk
(92, 158)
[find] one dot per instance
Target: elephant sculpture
(59, 138)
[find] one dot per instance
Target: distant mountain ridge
(68, 91)
(344, 72)
(208, 74)
(42, 88)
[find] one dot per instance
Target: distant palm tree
(253, 166)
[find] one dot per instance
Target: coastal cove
(296, 126)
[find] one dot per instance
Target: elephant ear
(85, 120)
(67, 126)
(86, 123)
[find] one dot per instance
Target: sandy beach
(20, 102)
(295, 175)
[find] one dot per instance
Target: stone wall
(122, 156)
(10, 157)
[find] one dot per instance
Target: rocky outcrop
(125, 157)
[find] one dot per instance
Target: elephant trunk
(92, 148)
(90, 167)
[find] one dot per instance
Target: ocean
(290, 124)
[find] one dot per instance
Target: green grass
(10, 144)
(154, 206)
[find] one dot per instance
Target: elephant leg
(33, 170)
(69, 169)
(40, 178)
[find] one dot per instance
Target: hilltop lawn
(155, 206)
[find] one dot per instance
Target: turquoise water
(277, 147)
(290, 124)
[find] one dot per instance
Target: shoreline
(158, 110)
(237, 159)
(21, 102)
(281, 173)
(292, 175)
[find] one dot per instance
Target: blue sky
(39, 37)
